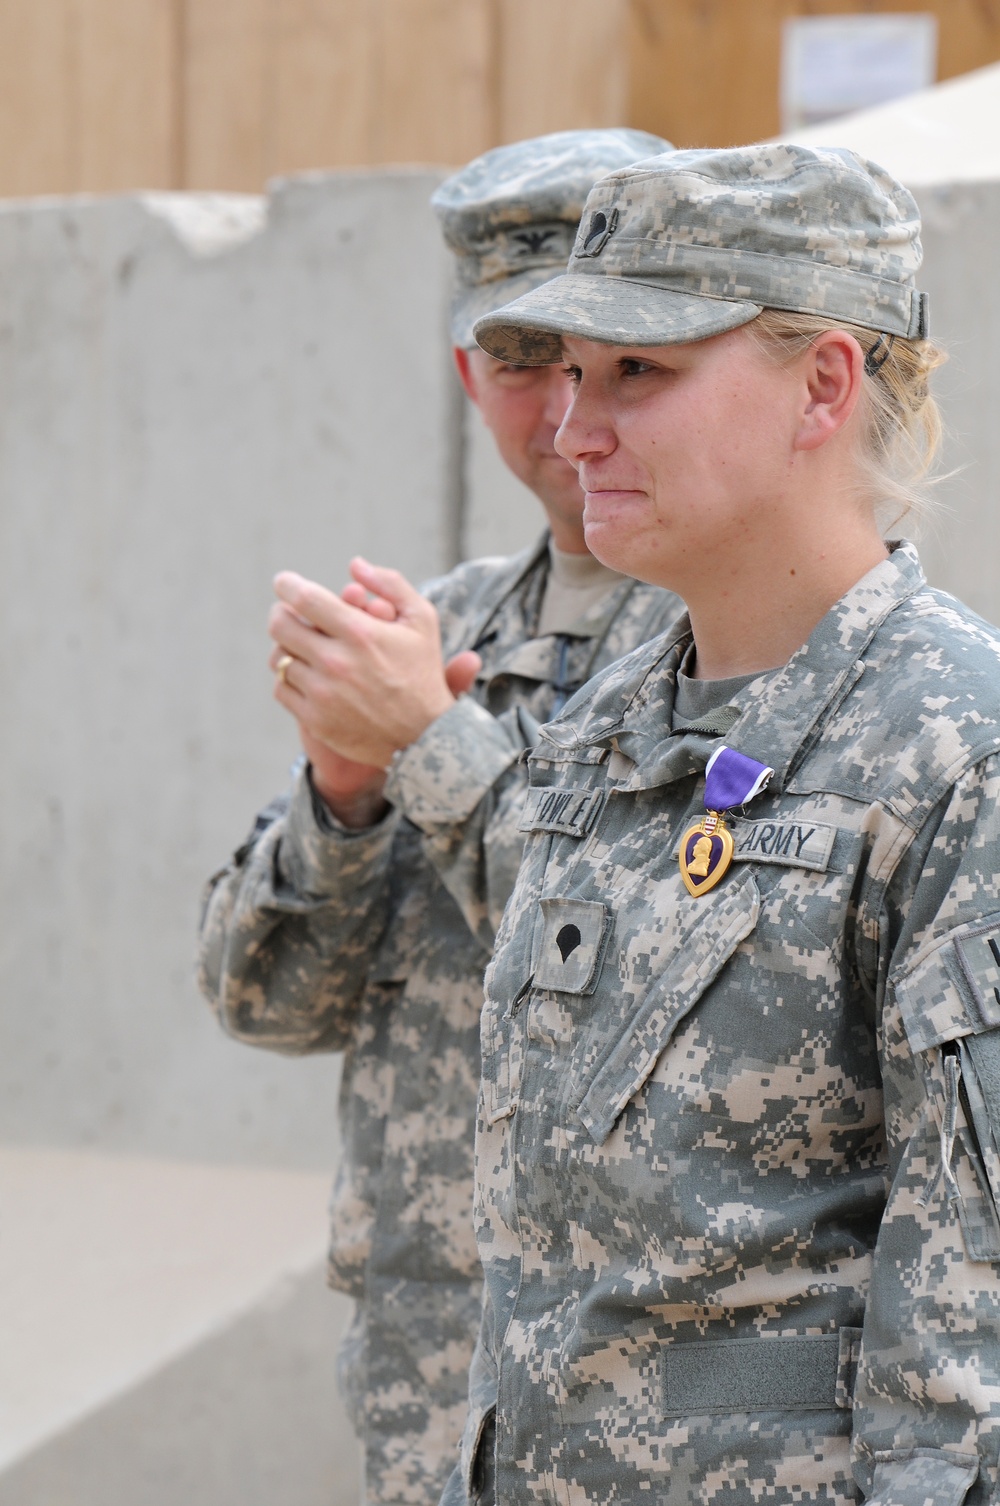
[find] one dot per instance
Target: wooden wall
(705, 72)
(103, 95)
(88, 94)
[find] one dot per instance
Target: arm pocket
(949, 998)
(968, 1147)
(978, 1074)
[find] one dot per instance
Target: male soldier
(330, 929)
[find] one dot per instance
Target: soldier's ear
(832, 374)
(465, 373)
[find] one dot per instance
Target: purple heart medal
(707, 847)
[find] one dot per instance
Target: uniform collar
(784, 710)
(781, 710)
(499, 637)
(517, 587)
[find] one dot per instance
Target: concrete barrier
(193, 394)
(247, 1416)
(961, 541)
(944, 144)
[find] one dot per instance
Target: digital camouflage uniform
(721, 1135)
(319, 938)
(738, 1153)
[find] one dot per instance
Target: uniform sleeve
(290, 925)
(463, 785)
(927, 1402)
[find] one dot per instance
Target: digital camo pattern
(693, 243)
(510, 216)
(317, 938)
(715, 1128)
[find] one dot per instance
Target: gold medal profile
(707, 850)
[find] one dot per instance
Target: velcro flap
(979, 955)
(783, 1373)
(980, 1058)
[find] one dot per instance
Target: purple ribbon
(732, 778)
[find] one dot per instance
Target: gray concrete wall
(195, 392)
(192, 396)
(961, 541)
(167, 1334)
(499, 515)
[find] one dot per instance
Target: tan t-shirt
(576, 582)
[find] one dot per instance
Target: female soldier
(739, 1123)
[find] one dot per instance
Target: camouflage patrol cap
(684, 246)
(511, 215)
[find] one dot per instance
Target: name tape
(796, 844)
(566, 811)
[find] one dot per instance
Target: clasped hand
(365, 676)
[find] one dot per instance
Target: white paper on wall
(831, 65)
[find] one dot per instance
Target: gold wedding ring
(282, 667)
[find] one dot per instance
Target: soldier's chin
(611, 542)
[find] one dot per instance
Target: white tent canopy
(947, 134)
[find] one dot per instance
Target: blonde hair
(901, 423)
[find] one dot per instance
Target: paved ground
(167, 1336)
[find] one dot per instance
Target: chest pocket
(702, 935)
(614, 987)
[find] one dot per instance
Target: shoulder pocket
(949, 998)
(952, 987)
(979, 1208)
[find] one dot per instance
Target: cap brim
(471, 304)
(610, 310)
